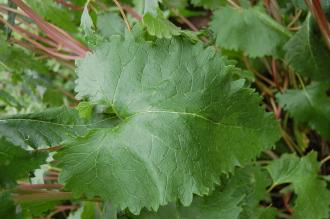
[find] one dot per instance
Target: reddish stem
(40, 186)
(316, 9)
(53, 32)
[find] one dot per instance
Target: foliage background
(49, 104)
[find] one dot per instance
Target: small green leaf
(85, 110)
(250, 30)
(159, 26)
(307, 54)
(310, 105)
(86, 22)
(313, 199)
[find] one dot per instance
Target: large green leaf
(307, 53)
(48, 128)
(184, 122)
(310, 105)
(249, 30)
(238, 198)
(313, 197)
(16, 163)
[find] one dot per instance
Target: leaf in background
(53, 97)
(175, 3)
(13, 58)
(48, 128)
(16, 163)
(86, 22)
(110, 24)
(249, 30)
(313, 199)
(307, 54)
(237, 199)
(151, 6)
(184, 121)
(9, 99)
(310, 105)
(8, 208)
(55, 13)
(157, 25)
(209, 4)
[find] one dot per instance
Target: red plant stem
(132, 12)
(316, 9)
(40, 186)
(275, 74)
(43, 196)
(50, 51)
(50, 178)
(6, 9)
(54, 33)
(286, 200)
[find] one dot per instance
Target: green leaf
(53, 97)
(86, 22)
(307, 54)
(8, 208)
(184, 122)
(310, 105)
(209, 4)
(13, 58)
(48, 128)
(54, 13)
(218, 205)
(249, 30)
(16, 163)
(180, 4)
(109, 24)
(85, 110)
(9, 99)
(313, 199)
(238, 198)
(159, 26)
